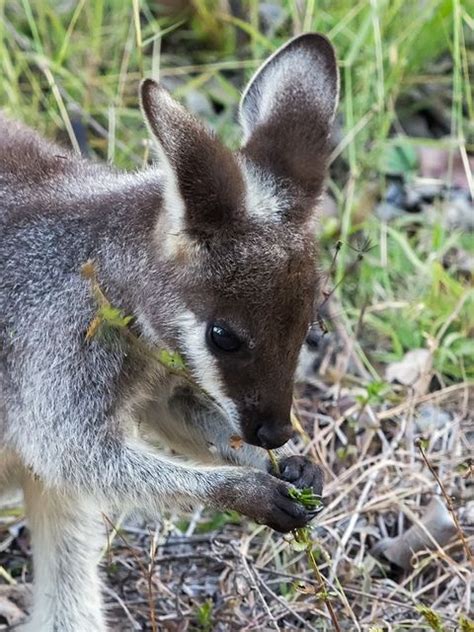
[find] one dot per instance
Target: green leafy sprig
(302, 539)
(109, 317)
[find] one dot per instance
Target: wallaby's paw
(267, 500)
(302, 473)
(287, 513)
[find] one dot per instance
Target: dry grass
(256, 580)
(214, 572)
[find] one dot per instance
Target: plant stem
(274, 462)
(324, 595)
(448, 502)
(303, 535)
(89, 272)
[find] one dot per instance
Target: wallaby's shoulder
(40, 178)
(33, 170)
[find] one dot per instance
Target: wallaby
(213, 254)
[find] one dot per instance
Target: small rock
(394, 203)
(459, 213)
(386, 211)
(396, 193)
(430, 418)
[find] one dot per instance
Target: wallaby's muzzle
(270, 437)
(268, 434)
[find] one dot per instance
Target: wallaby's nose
(273, 436)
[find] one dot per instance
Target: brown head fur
(237, 232)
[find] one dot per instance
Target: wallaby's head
(236, 234)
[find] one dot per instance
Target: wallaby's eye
(222, 339)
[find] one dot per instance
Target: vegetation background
(397, 250)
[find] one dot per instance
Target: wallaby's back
(57, 211)
(27, 159)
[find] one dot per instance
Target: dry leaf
(436, 520)
(236, 442)
(413, 370)
(445, 165)
(10, 611)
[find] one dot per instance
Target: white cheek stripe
(204, 365)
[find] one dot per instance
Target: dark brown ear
(287, 113)
(204, 185)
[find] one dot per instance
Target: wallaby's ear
(203, 187)
(287, 113)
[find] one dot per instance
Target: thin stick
(448, 500)
(323, 594)
(274, 462)
(302, 535)
(146, 572)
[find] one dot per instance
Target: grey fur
(88, 426)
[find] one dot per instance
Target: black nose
(270, 437)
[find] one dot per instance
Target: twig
(254, 582)
(149, 575)
(419, 445)
(109, 315)
(354, 518)
(144, 570)
(436, 395)
(303, 533)
(284, 603)
(123, 605)
(302, 536)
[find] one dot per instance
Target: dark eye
(222, 339)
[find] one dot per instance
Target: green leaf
(422, 443)
(375, 389)
(298, 545)
(204, 615)
(306, 497)
(114, 317)
(398, 158)
(431, 617)
(172, 359)
(346, 451)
